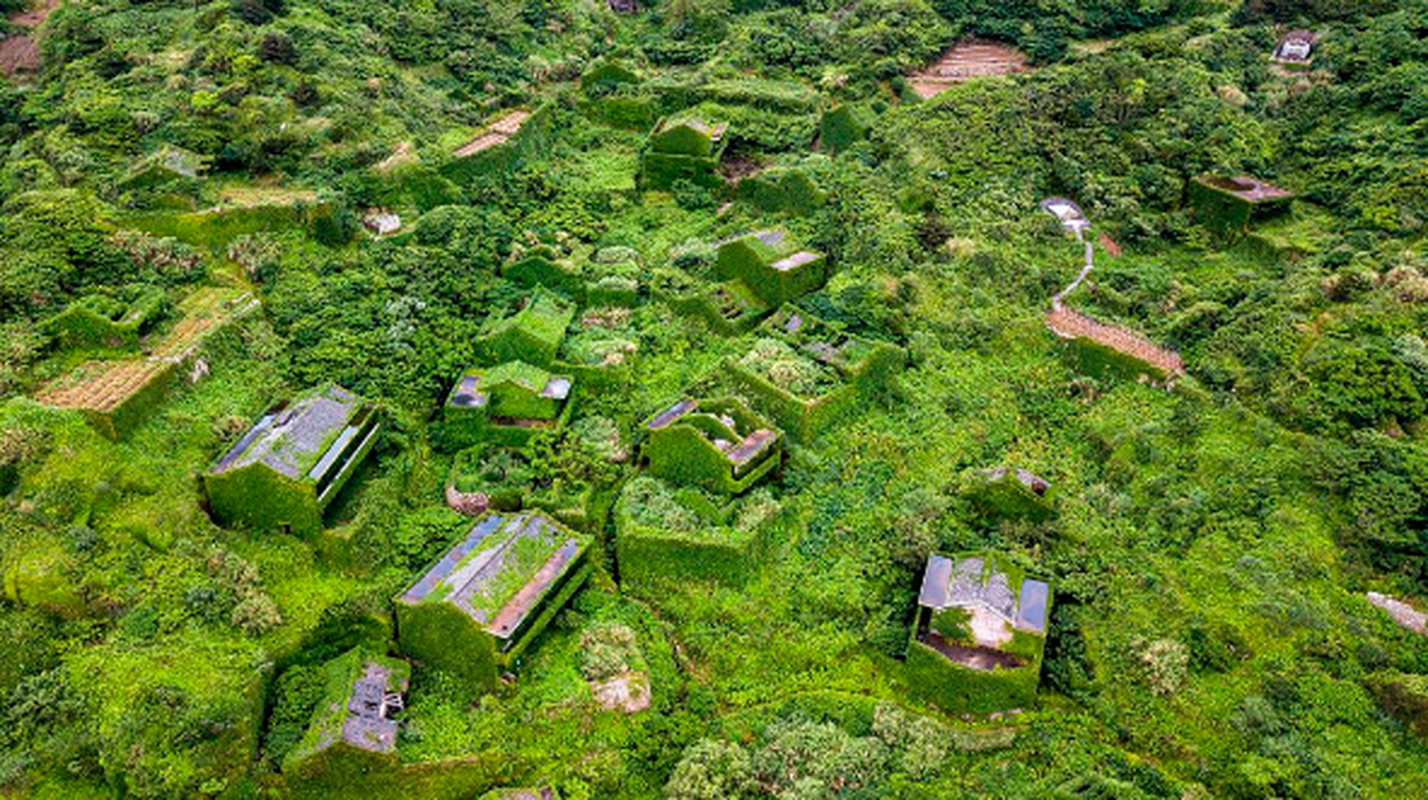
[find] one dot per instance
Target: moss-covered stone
(717, 444)
(475, 611)
(289, 467)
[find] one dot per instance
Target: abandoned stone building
(290, 466)
(979, 634)
(486, 600)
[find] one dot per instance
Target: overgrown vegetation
(1210, 546)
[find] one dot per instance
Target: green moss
(781, 190)
(443, 635)
(107, 321)
(533, 334)
(692, 449)
(844, 125)
(322, 749)
(668, 537)
(758, 260)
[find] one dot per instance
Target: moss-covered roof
(544, 317)
(518, 373)
(770, 245)
(298, 439)
(360, 693)
(502, 570)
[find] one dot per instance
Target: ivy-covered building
(533, 334)
(772, 264)
(670, 534)
(289, 467)
(979, 634)
(1011, 492)
(165, 165)
(683, 148)
(486, 600)
(545, 259)
(506, 404)
(112, 321)
(1231, 204)
(115, 395)
(717, 444)
(806, 373)
(352, 731)
(1295, 49)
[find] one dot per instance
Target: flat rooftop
(1248, 188)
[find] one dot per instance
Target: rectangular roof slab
(433, 578)
(672, 413)
(934, 582)
(467, 394)
(794, 261)
(1031, 611)
(1249, 188)
(557, 388)
(754, 444)
(772, 238)
(508, 620)
(293, 440)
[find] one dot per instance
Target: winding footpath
(1086, 270)
(1068, 323)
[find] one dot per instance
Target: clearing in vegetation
(1068, 323)
(21, 52)
(967, 61)
(499, 132)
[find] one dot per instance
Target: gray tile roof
(295, 440)
(371, 700)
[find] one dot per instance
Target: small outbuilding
(353, 731)
(717, 444)
(1230, 204)
(381, 221)
(669, 536)
(112, 321)
(806, 373)
(485, 601)
(979, 634)
(686, 148)
(289, 467)
(507, 404)
(533, 334)
(1012, 492)
(167, 164)
(545, 259)
(1296, 48)
(772, 264)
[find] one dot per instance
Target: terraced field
(964, 62)
(104, 386)
(498, 133)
